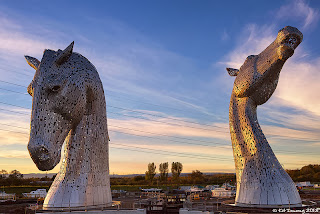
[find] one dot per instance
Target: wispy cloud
(9, 122)
(225, 36)
(213, 153)
(299, 120)
(299, 83)
(291, 133)
(299, 9)
(14, 154)
(172, 126)
(17, 42)
(124, 64)
(252, 40)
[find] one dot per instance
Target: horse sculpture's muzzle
(43, 155)
(289, 43)
(285, 52)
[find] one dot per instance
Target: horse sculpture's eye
(55, 88)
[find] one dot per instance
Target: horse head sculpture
(69, 104)
(268, 63)
(261, 180)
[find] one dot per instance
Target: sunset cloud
(300, 84)
(299, 9)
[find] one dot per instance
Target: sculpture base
(268, 205)
(112, 209)
(79, 208)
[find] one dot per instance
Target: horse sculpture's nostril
(44, 150)
(44, 154)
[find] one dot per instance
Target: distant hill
(38, 175)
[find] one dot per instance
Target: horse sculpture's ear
(232, 71)
(64, 55)
(33, 62)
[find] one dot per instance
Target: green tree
(306, 173)
(316, 176)
(139, 179)
(151, 172)
(15, 174)
(14, 178)
(164, 170)
(307, 170)
(196, 177)
(176, 169)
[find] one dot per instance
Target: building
(39, 193)
(211, 187)
(223, 193)
(304, 184)
(7, 197)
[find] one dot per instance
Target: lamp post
(217, 204)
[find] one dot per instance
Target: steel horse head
(69, 106)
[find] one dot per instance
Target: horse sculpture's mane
(69, 104)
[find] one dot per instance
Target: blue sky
(164, 61)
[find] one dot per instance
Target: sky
(162, 64)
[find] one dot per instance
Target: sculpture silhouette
(69, 104)
(261, 180)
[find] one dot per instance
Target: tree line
(176, 169)
(15, 178)
(307, 173)
(195, 177)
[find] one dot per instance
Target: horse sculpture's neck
(84, 174)
(87, 144)
(242, 115)
(261, 180)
